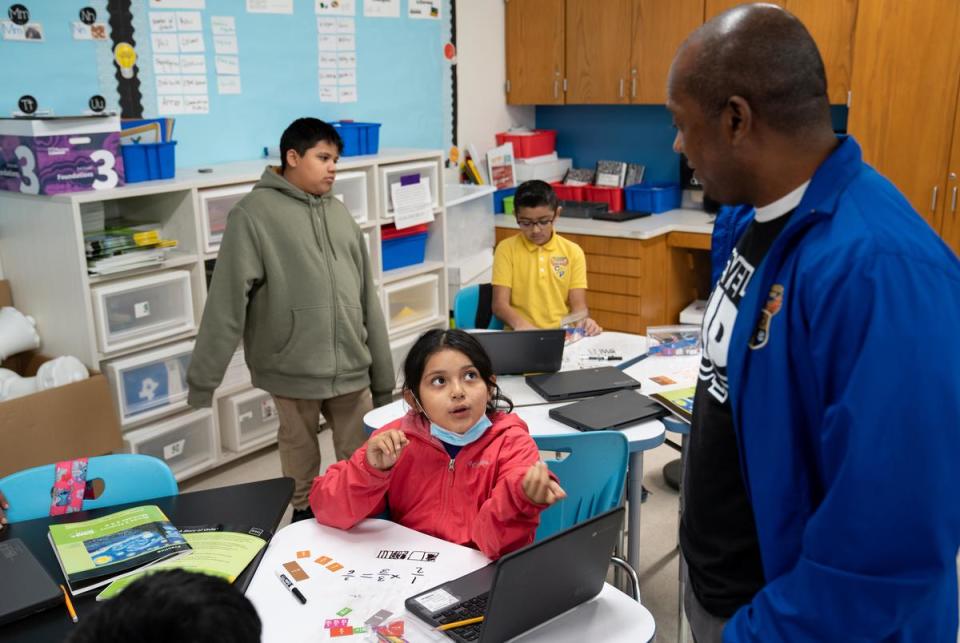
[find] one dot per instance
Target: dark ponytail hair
(436, 340)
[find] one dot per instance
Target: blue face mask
(461, 439)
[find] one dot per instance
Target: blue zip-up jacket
(848, 416)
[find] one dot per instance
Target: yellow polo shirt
(540, 277)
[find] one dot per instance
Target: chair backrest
(127, 477)
(472, 305)
(592, 468)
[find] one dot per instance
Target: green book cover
(679, 402)
(94, 552)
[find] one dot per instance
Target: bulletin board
(401, 68)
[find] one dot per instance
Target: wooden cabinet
(534, 51)
(830, 22)
(950, 225)
(598, 51)
(904, 99)
(659, 28)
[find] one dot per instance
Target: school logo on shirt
(559, 266)
(761, 333)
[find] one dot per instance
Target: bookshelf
(42, 253)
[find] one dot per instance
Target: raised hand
(383, 449)
(540, 487)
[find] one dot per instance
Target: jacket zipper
(333, 290)
(445, 490)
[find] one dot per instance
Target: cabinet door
(830, 22)
(659, 28)
(714, 7)
(598, 51)
(534, 51)
(950, 228)
(904, 87)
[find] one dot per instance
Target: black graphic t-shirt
(717, 531)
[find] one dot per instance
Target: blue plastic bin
(401, 248)
(498, 198)
(149, 161)
(653, 197)
(358, 138)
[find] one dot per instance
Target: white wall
(481, 73)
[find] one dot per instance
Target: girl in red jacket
(455, 466)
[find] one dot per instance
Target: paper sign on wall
(381, 8)
(269, 6)
(424, 9)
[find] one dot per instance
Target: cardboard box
(61, 423)
(57, 155)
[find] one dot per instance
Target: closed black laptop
(587, 382)
(611, 411)
(527, 587)
(524, 351)
(621, 215)
(25, 586)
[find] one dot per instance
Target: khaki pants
(297, 437)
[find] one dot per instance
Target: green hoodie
(294, 279)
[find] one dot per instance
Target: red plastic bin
(568, 192)
(613, 197)
(538, 142)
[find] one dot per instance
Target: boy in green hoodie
(293, 279)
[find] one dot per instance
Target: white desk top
(696, 221)
(610, 616)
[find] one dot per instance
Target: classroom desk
(258, 504)
(610, 616)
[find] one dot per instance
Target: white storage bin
(399, 348)
(151, 384)
(187, 443)
(412, 301)
(351, 189)
(132, 312)
(548, 171)
(237, 372)
(215, 205)
(470, 227)
(390, 174)
(248, 420)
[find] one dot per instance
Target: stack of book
(610, 174)
(120, 247)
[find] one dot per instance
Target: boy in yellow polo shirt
(538, 276)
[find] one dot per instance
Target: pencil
(450, 626)
(66, 599)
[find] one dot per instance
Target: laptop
(26, 586)
(588, 382)
(611, 411)
(524, 351)
(527, 587)
(622, 215)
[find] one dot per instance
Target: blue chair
(592, 468)
(126, 478)
(472, 307)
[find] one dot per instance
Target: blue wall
(635, 133)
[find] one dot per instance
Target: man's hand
(383, 449)
(540, 487)
(3, 505)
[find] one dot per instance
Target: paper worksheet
(412, 203)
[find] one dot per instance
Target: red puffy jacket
(475, 499)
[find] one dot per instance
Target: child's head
(448, 376)
(309, 151)
(537, 207)
(173, 606)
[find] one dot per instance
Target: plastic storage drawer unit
(248, 420)
(653, 197)
(538, 142)
(151, 384)
(412, 301)
(133, 312)
(351, 189)
(215, 205)
(401, 248)
(394, 174)
(399, 348)
(187, 443)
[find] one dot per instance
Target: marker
(455, 624)
(66, 599)
(290, 586)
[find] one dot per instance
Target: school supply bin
(358, 138)
(538, 142)
(653, 197)
(406, 247)
(149, 161)
(613, 197)
(499, 196)
(568, 192)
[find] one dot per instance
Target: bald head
(762, 54)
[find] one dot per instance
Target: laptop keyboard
(469, 609)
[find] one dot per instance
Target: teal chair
(472, 308)
(126, 478)
(592, 468)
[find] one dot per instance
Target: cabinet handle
(933, 200)
(556, 88)
(621, 88)
(633, 87)
(953, 200)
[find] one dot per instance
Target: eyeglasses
(543, 223)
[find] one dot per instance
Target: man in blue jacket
(821, 475)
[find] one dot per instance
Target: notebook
(26, 587)
(611, 411)
(524, 351)
(527, 587)
(588, 382)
